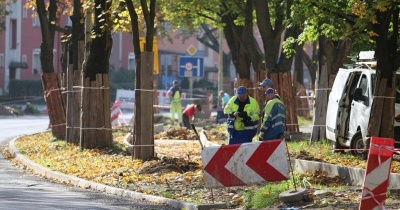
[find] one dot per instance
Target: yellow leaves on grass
(177, 134)
(6, 153)
(115, 168)
(266, 194)
(68, 158)
(323, 178)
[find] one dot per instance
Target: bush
(31, 109)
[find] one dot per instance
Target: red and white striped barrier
(210, 100)
(244, 164)
(376, 178)
(115, 111)
(162, 106)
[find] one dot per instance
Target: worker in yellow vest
(175, 94)
(243, 114)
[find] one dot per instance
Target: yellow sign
(191, 50)
(142, 43)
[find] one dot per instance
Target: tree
(382, 20)
(52, 92)
(209, 39)
(143, 129)
(4, 12)
(73, 57)
(272, 18)
(237, 21)
(96, 123)
(335, 28)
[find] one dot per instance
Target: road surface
(22, 190)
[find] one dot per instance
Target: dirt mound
(166, 165)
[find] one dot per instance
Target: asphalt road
(21, 190)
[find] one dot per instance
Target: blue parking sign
(191, 66)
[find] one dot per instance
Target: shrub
(31, 109)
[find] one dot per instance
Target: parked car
(349, 108)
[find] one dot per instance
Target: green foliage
(303, 121)
(4, 12)
(16, 111)
(190, 14)
(289, 46)
(25, 88)
(333, 19)
(265, 196)
(31, 109)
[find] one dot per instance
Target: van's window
(364, 85)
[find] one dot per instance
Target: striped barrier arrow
(243, 164)
(376, 180)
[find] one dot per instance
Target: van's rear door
(339, 104)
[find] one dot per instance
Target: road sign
(243, 164)
(191, 66)
(191, 50)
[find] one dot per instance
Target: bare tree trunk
(143, 126)
(55, 104)
(321, 94)
(332, 56)
(387, 55)
(76, 55)
(96, 123)
(144, 129)
(51, 83)
(284, 86)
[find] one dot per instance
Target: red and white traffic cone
(376, 178)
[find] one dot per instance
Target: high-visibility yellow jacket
(251, 108)
(274, 119)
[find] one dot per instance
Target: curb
(354, 176)
(82, 183)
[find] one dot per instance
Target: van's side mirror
(358, 96)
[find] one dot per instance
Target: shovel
(197, 134)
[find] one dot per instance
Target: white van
(349, 108)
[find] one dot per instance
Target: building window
(131, 62)
(24, 13)
(13, 34)
(1, 60)
(166, 64)
(36, 65)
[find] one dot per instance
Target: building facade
(20, 51)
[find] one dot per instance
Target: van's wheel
(336, 147)
(358, 147)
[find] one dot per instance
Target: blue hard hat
(269, 91)
(266, 82)
(240, 91)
